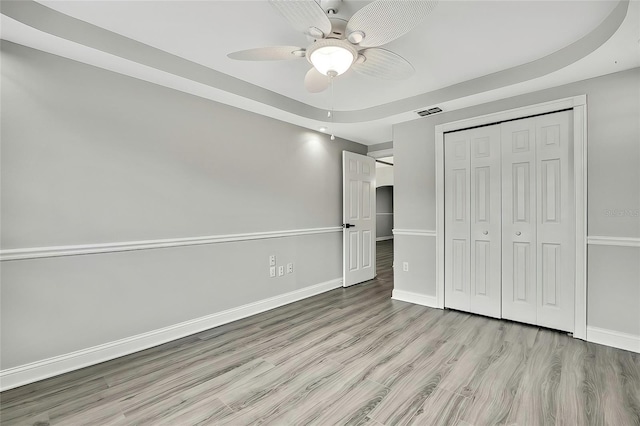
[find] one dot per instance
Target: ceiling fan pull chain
(331, 76)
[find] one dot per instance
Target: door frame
(579, 106)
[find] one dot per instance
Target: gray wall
(384, 211)
(380, 146)
(90, 156)
(613, 104)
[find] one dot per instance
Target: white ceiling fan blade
(383, 21)
(273, 53)
(305, 16)
(381, 63)
(315, 82)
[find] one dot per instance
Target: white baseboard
(390, 237)
(616, 339)
(39, 370)
(416, 298)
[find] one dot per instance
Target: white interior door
(457, 225)
(486, 222)
(538, 279)
(472, 221)
(358, 214)
(519, 297)
(555, 231)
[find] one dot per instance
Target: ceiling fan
(338, 45)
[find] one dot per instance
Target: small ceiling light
(331, 56)
(323, 129)
(333, 138)
(356, 37)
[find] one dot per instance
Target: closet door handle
(518, 233)
(485, 232)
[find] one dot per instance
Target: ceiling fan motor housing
(338, 28)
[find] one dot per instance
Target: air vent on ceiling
(429, 111)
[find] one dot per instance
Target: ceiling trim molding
(382, 153)
(40, 17)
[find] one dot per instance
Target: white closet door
(519, 297)
(457, 220)
(472, 222)
(486, 223)
(556, 235)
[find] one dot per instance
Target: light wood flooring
(349, 356)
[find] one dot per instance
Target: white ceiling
(460, 41)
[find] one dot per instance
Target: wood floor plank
(351, 405)
(570, 387)
(535, 401)
(37, 404)
(275, 392)
(629, 370)
(38, 419)
(109, 415)
(493, 390)
(202, 408)
(244, 394)
(410, 393)
(440, 409)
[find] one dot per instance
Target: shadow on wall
(384, 213)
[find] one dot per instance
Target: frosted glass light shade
(331, 58)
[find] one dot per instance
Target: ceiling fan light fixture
(332, 57)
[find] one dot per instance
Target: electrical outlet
(272, 271)
(272, 260)
(280, 271)
(289, 268)
(405, 266)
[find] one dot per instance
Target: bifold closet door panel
(457, 220)
(472, 221)
(555, 228)
(486, 224)
(519, 295)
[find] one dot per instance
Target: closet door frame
(579, 106)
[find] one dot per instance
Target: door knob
(518, 233)
(348, 225)
(485, 232)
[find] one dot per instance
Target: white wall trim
(415, 232)
(33, 372)
(616, 339)
(384, 238)
(579, 105)
(613, 241)
(74, 250)
(416, 298)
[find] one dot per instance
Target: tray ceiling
(495, 43)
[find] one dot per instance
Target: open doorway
(384, 216)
